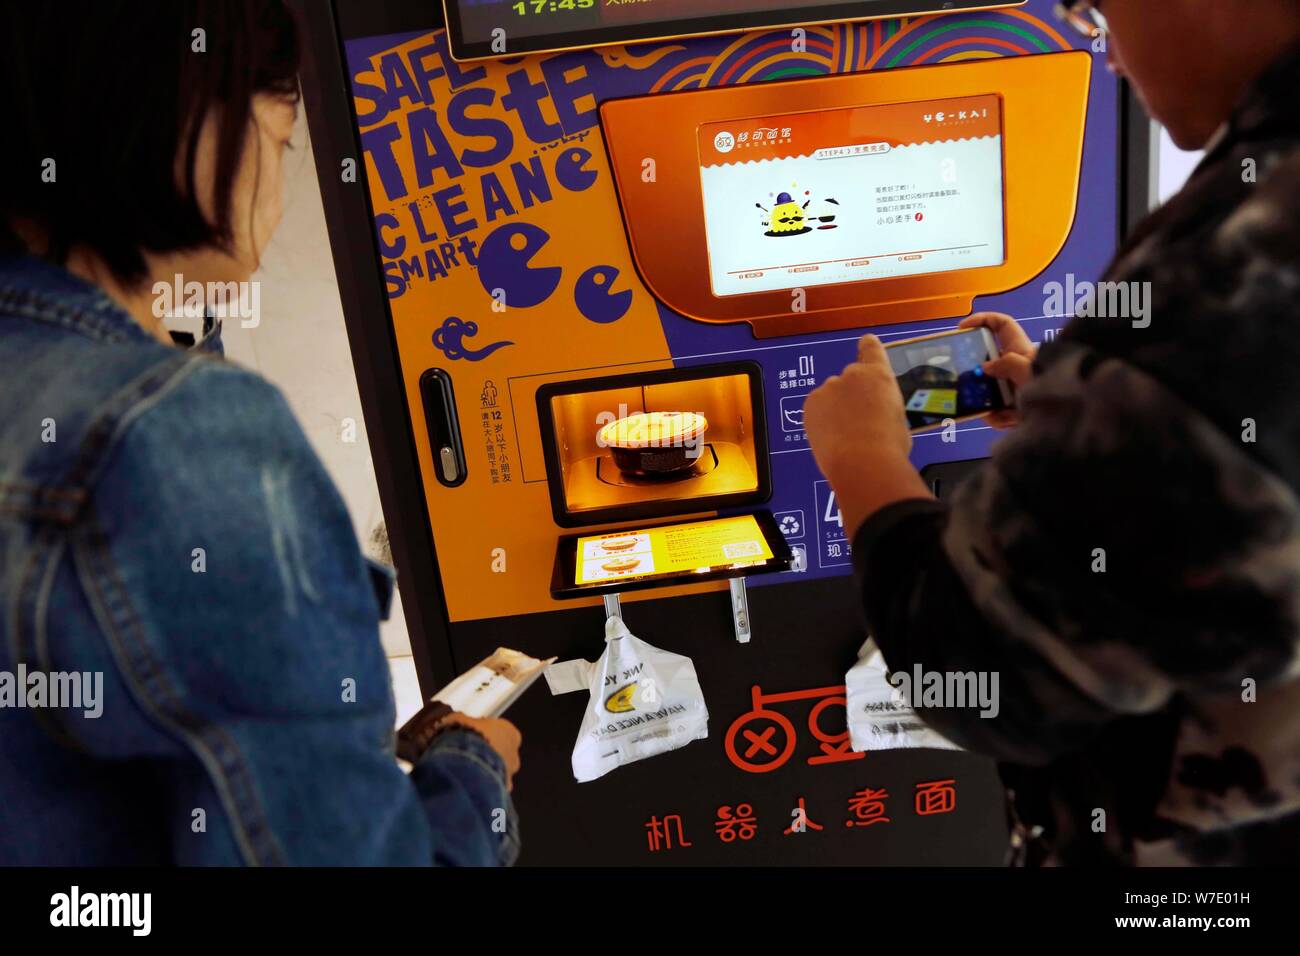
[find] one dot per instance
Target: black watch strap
(416, 734)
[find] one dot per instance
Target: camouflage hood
(1139, 533)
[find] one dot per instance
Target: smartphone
(942, 377)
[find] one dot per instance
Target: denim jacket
(167, 531)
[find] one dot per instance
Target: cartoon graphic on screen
(789, 218)
(825, 216)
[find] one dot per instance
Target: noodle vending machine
(587, 292)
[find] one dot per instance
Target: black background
(806, 635)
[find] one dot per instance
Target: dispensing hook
(613, 608)
(740, 610)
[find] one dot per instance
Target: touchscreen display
(943, 378)
(869, 192)
(671, 550)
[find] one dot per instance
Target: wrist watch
(416, 734)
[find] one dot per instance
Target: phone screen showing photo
(943, 378)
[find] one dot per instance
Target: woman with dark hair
(170, 546)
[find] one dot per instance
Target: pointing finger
(871, 351)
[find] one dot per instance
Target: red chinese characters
(867, 807)
(801, 823)
(935, 796)
(659, 833)
(738, 823)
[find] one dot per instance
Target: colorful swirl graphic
(974, 36)
(850, 47)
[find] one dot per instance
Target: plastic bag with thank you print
(643, 701)
(879, 717)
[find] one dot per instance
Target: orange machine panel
(653, 444)
(683, 161)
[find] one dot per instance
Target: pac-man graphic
(620, 702)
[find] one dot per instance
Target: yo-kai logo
(954, 117)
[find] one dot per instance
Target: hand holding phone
(858, 432)
(1015, 364)
(949, 376)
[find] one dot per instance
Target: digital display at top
(487, 28)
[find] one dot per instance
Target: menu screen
(671, 550)
(844, 195)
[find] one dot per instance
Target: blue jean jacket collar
(40, 290)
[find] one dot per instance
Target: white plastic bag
(879, 717)
(644, 701)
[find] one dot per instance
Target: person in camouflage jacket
(1129, 560)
